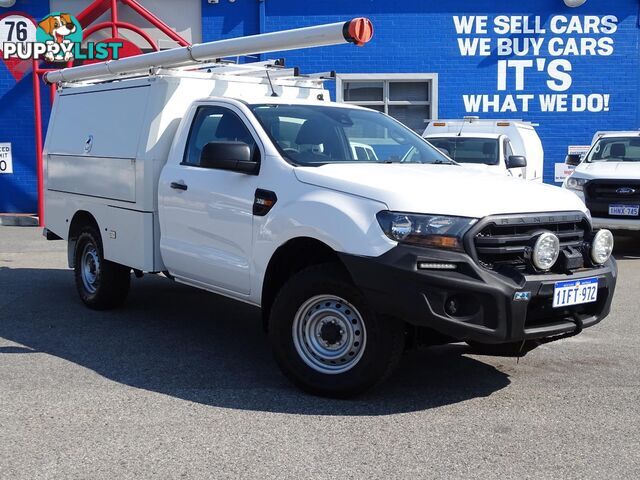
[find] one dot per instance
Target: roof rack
(207, 55)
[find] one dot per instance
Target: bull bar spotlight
(546, 251)
(602, 246)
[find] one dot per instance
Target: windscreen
(318, 134)
(618, 149)
(468, 150)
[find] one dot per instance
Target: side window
(508, 151)
(215, 124)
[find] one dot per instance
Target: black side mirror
(573, 160)
(235, 156)
(516, 161)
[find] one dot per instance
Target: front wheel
(325, 338)
(101, 284)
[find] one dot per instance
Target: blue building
(573, 71)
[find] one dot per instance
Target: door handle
(178, 186)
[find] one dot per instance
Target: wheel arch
(81, 219)
(288, 259)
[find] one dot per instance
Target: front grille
(507, 241)
(600, 194)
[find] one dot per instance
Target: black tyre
(325, 338)
(101, 284)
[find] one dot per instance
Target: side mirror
(445, 151)
(573, 160)
(234, 156)
(516, 161)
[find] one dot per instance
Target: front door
(207, 213)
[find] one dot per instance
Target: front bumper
(616, 223)
(394, 285)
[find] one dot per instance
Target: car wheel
(101, 284)
(326, 339)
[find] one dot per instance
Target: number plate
(624, 210)
(575, 292)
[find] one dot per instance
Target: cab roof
(612, 134)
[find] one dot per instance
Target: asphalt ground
(181, 384)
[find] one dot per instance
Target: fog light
(452, 306)
(546, 251)
(462, 306)
(602, 247)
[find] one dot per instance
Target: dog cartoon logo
(62, 29)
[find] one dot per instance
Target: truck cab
(503, 147)
(607, 179)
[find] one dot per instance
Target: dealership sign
(6, 161)
(523, 47)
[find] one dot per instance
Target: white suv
(608, 180)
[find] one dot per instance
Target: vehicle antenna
(461, 127)
(273, 91)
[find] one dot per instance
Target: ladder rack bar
(358, 31)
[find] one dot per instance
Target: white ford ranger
(608, 180)
(250, 186)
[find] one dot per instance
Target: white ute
(504, 147)
(608, 180)
(354, 235)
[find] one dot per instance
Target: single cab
(354, 236)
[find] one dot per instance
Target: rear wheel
(326, 339)
(101, 284)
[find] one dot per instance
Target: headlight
(427, 230)
(601, 247)
(546, 251)
(576, 183)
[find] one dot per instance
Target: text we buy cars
(56, 38)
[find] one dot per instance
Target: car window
(319, 134)
(508, 151)
(615, 149)
(215, 124)
(469, 150)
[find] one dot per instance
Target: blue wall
(18, 191)
(411, 36)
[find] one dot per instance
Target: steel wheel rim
(329, 334)
(90, 267)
